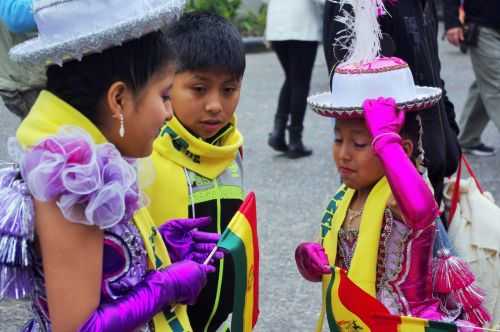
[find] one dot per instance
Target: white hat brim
(39, 51)
(326, 105)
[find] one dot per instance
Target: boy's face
(358, 166)
(204, 101)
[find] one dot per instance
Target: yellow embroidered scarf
(177, 149)
(363, 269)
(47, 117)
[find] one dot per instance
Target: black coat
(483, 12)
(414, 28)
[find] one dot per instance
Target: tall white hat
(70, 29)
(364, 74)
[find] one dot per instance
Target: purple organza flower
(8, 173)
(93, 184)
(132, 200)
(42, 172)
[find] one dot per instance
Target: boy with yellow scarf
(197, 157)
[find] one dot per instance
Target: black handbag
(471, 34)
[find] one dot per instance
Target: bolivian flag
(241, 241)
(350, 308)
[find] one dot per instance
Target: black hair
(83, 84)
(207, 41)
(412, 130)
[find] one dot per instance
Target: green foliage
(227, 8)
(249, 23)
(253, 23)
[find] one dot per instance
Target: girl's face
(356, 162)
(144, 115)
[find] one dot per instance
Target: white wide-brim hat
(70, 29)
(352, 86)
(325, 103)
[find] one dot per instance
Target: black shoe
(277, 143)
(481, 150)
(297, 149)
(276, 138)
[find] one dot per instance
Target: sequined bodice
(124, 261)
(347, 244)
(124, 266)
(404, 264)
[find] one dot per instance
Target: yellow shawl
(177, 149)
(363, 269)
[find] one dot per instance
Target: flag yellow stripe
(412, 324)
(241, 228)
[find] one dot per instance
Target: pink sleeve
(412, 194)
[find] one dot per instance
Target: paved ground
(291, 194)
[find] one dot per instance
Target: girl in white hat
(378, 259)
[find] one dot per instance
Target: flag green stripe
(329, 310)
(172, 321)
(235, 245)
(434, 326)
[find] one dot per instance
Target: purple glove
(178, 283)
(312, 261)
(412, 194)
(185, 242)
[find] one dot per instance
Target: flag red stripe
(249, 210)
(364, 306)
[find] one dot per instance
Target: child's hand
(312, 261)
(184, 241)
(382, 116)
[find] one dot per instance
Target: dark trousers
(297, 59)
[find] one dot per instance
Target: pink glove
(412, 194)
(178, 283)
(185, 242)
(382, 116)
(312, 261)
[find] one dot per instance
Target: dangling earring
(122, 126)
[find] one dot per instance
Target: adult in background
(482, 19)
(294, 30)
(413, 27)
(19, 85)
